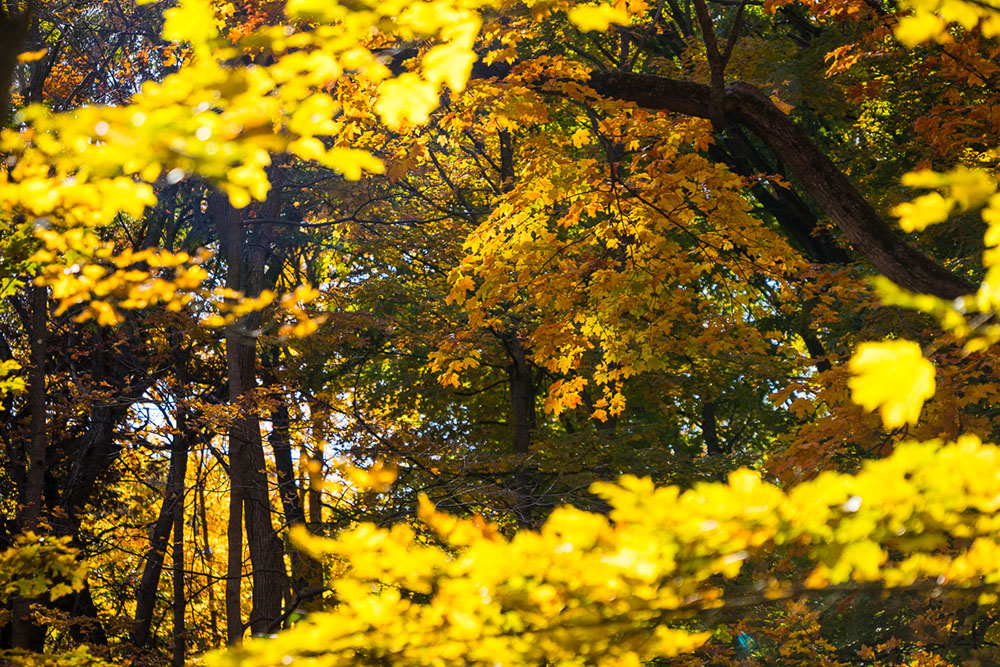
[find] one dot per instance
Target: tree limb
(746, 105)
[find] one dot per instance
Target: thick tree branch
(871, 236)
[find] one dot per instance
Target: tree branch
(871, 236)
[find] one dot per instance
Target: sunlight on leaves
(892, 377)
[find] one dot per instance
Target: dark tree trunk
(207, 558)
(709, 428)
(93, 453)
(24, 633)
(246, 451)
(280, 443)
(816, 351)
(13, 31)
(248, 472)
(522, 394)
(97, 449)
(234, 565)
(315, 498)
(180, 453)
(172, 506)
(794, 216)
(83, 625)
(304, 571)
(522, 400)
(35, 482)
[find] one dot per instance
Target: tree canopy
(489, 332)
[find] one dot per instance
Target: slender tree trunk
(178, 607)
(310, 501)
(170, 509)
(708, 428)
(83, 626)
(303, 568)
(206, 559)
(315, 495)
(281, 444)
(35, 481)
(234, 564)
(145, 599)
(520, 383)
(816, 350)
(24, 633)
(13, 31)
(98, 449)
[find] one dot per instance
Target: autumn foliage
(463, 332)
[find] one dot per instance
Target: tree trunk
(207, 558)
(97, 449)
(178, 607)
(709, 428)
(35, 481)
(246, 450)
(13, 31)
(24, 633)
(315, 495)
(793, 215)
(522, 399)
(173, 504)
(522, 394)
(281, 444)
(234, 565)
(304, 570)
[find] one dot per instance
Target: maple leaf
(894, 377)
(580, 137)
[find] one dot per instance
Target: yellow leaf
(580, 137)
(966, 14)
(449, 63)
(894, 377)
(215, 321)
(406, 98)
(60, 590)
(922, 26)
(925, 210)
(597, 17)
(351, 162)
(379, 477)
(238, 197)
(191, 21)
(970, 188)
(32, 56)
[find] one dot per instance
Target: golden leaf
(597, 17)
(894, 377)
